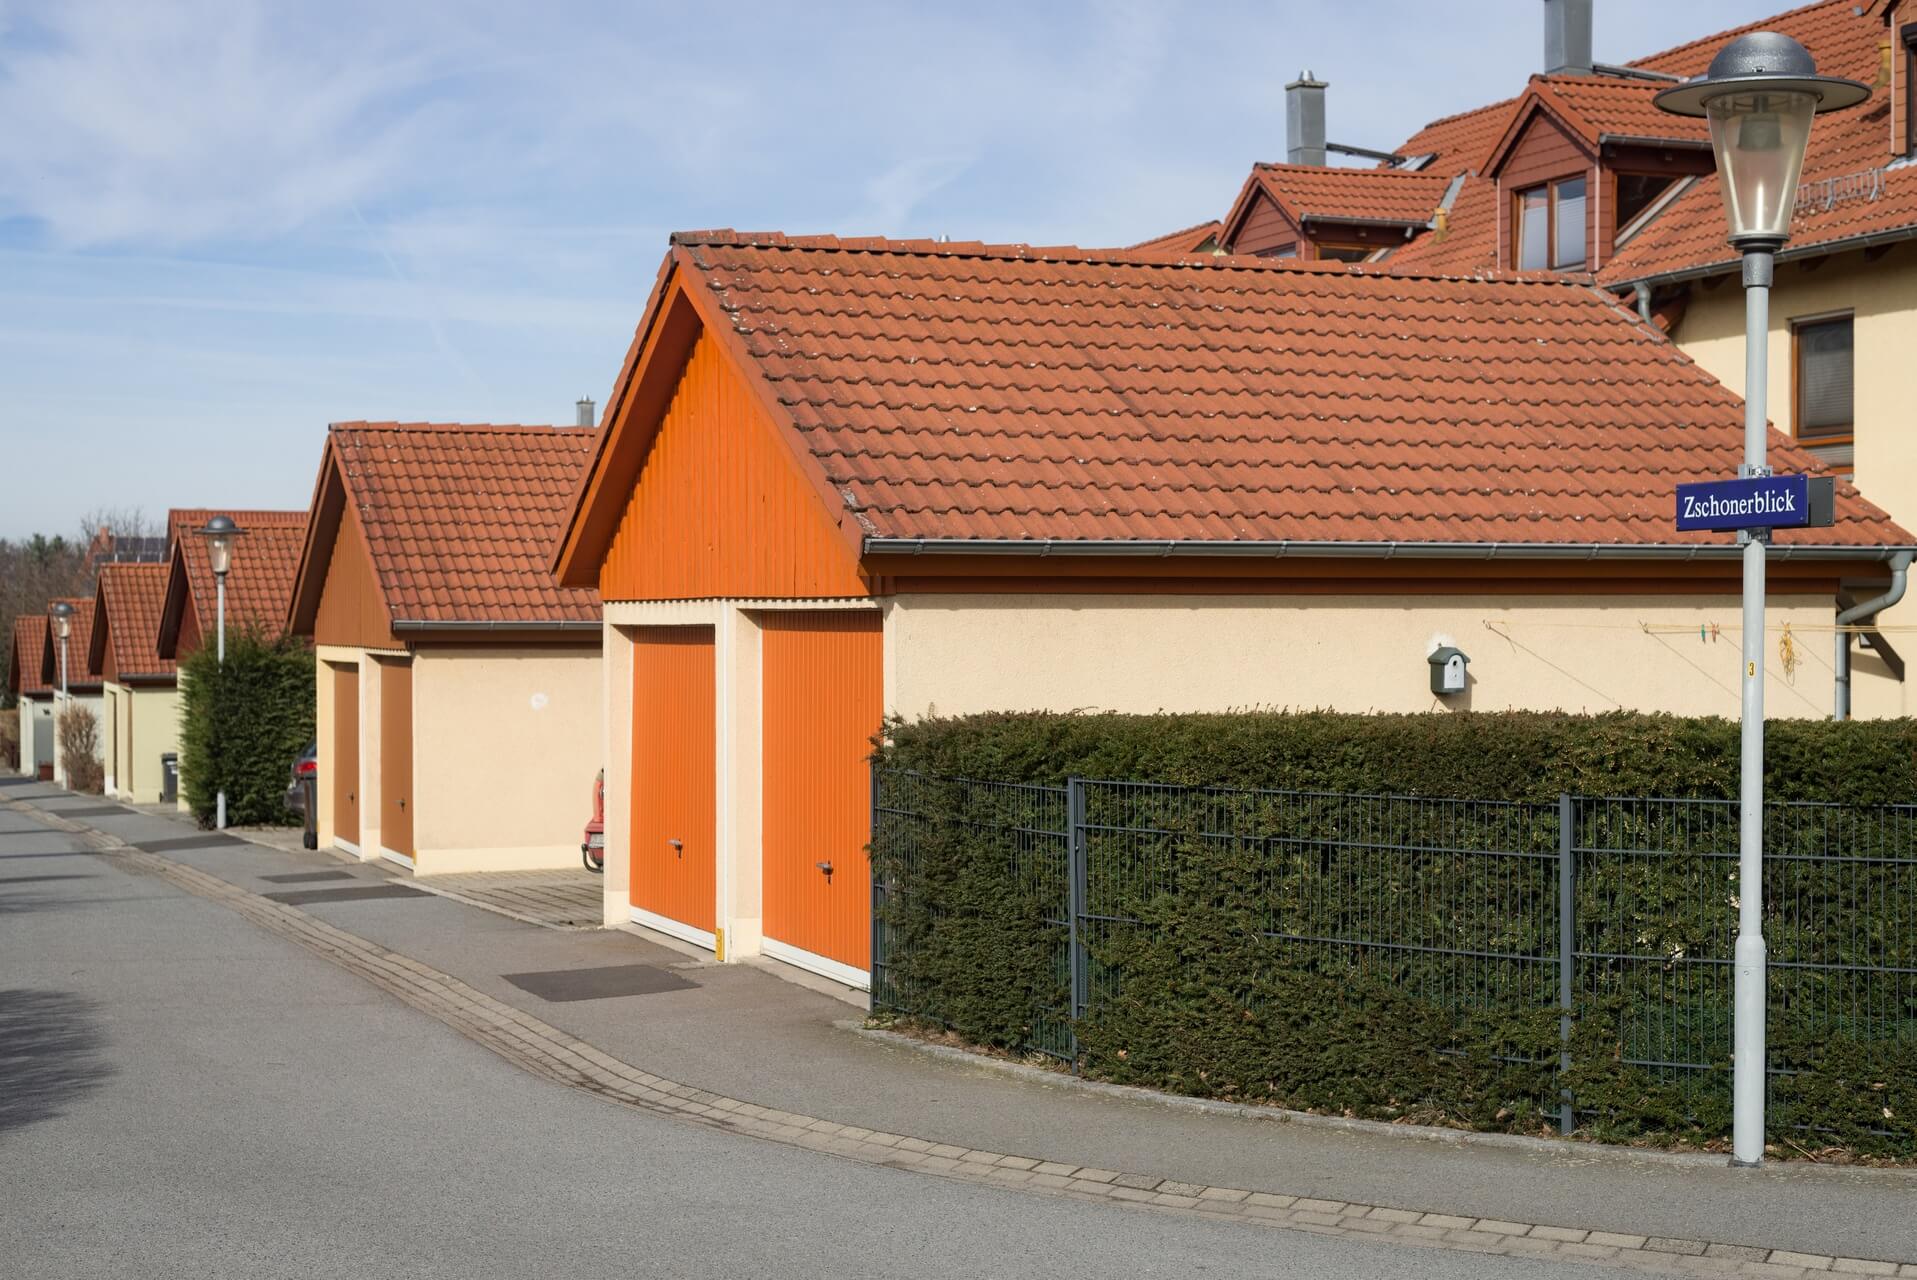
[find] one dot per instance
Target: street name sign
(1755, 502)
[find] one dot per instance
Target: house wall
(506, 743)
(1882, 295)
(116, 733)
(954, 655)
(146, 725)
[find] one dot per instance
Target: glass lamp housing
(1760, 138)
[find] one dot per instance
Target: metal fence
(1600, 906)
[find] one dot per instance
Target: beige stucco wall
(143, 723)
(36, 734)
(506, 743)
(1882, 296)
(957, 654)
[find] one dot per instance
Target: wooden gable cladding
(1265, 230)
(351, 609)
(720, 507)
(1542, 152)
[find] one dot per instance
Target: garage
(823, 683)
(674, 863)
(345, 756)
(396, 761)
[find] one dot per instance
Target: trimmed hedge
(1516, 755)
(1189, 991)
(243, 724)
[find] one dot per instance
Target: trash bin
(170, 778)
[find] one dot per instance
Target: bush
(242, 724)
(1516, 755)
(1201, 909)
(80, 749)
(10, 738)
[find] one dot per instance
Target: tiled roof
(1185, 240)
(29, 646)
(1396, 196)
(1468, 242)
(1604, 108)
(460, 520)
(79, 643)
(260, 580)
(133, 596)
(1460, 142)
(971, 393)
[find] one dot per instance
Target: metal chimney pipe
(587, 414)
(1567, 37)
(1305, 120)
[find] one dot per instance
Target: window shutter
(1824, 378)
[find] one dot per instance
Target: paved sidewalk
(562, 898)
(755, 1049)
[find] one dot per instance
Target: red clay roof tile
(260, 580)
(29, 646)
(1397, 196)
(79, 642)
(1186, 240)
(460, 519)
(132, 596)
(965, 392)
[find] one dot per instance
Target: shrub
(242, 724)
(1201, 909)
(10, 737)
(80, 749)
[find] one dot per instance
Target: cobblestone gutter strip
(546, 1051)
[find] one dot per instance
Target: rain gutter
(1865, 612)
(1281, 548)
(417, 624)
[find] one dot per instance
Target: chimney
(1567, 37)
(587, 414)
(1305, 120)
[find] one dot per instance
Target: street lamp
(1759, 95)
(220, 534)
(62, 614)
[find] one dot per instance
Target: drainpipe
(1643, 292)
(1899, 577)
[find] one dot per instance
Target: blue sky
(225, 223)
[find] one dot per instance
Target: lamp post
(62, 614)
(220, 534)
(1760, 95)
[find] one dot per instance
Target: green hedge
(243, 724)
(1471, 755)
(1188, 991)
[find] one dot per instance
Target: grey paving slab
(356, 893)
(600, 982)
(186, 1095)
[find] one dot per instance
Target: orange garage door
(345, 753)
(673, 765)
(824, 700)
(396, 760)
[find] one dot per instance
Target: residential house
(33, 696)
(459, 688)
(259, 581)
(63, 668)
(1580, 172)
(140, 699)
(844, 480)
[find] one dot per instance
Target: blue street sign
(1755, 502)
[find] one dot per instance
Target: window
(1636, 192)
(1908, 34)
(1345, 252)
(1823, 353)
(1550, 231)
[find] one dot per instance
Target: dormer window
(1551, 228)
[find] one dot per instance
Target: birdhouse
(1447, 669)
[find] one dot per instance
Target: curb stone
(545, 1051)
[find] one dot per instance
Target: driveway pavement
(183, 1094)
(742, 1032)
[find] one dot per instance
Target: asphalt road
(184, 1095)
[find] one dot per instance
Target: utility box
(1447, 670)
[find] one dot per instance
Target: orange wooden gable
(695, 491)
(351, 609)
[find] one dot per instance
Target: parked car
(302, 793)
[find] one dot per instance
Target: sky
(227, 223)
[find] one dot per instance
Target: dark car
(302, 792)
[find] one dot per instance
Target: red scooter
(592, 850)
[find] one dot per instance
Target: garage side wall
(959, 654)
(506, 744)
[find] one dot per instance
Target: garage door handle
(678, 846)
(825, 867)
(402, 802)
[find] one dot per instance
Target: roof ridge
(527, 428)
(1170, 260)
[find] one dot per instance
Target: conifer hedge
(242, 724)
(1190, 993)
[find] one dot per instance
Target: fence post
(872, 867)
(1075, 906)
(1567, 952)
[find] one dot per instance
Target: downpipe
(1899, 579)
